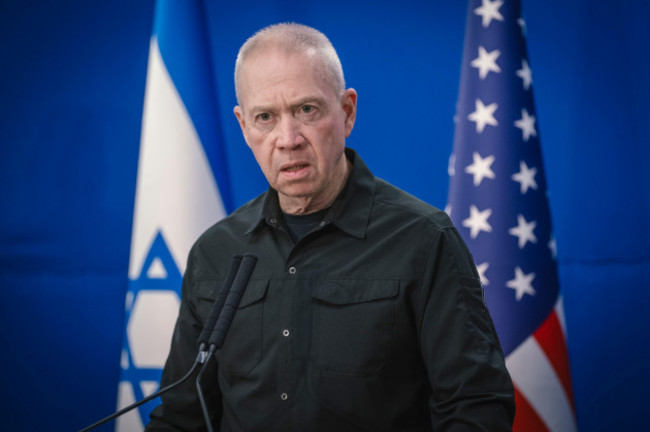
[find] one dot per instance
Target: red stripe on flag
(526, 418)
(550, 338)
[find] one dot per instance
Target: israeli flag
(182, 189)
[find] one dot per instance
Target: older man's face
(296, 126)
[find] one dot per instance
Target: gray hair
(293, 38)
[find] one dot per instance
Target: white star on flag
(526, 177)
(489, 11)
(522, 283)
(483, 115)
(524, 231)
(480, 168)
(451, 169)
(486, 62)
(552, 245)
(477, 221)
(527, 125)
(522, 24)
(482, 268)
(525, 74)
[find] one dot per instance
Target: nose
(289, 133)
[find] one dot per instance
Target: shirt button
(292, 270)
(323, 223)
(285, 332)
(284, 396)
(273, 221)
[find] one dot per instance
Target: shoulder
(398, 203)
(213, 249)
(427, 226)
(236, 224)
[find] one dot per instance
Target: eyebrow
(309, 99)
(317, 100)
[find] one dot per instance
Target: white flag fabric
(181, 190)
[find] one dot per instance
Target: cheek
(263, 153)
(334, 139)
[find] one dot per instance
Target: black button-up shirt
(374, 321)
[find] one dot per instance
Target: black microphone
(224, 321)
(210, 322)
(232, 302)
(203, 339)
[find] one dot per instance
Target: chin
(298, 194)
(297, 191)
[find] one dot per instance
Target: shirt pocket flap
(208, 288)
(350, 291)
(255, 291)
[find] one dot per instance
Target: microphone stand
(199, 392)
(214, 320)
(200, 358)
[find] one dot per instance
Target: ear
(239, 113)
(349, 105)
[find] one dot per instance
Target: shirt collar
(349, 212)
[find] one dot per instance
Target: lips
(295, 170)
(293, 166)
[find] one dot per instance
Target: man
(365, 311)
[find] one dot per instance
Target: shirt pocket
(352, 325)
(242, 347)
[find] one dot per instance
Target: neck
(310, 204)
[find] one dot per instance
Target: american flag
(498, 201)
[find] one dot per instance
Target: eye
(307, 109)
(264, 117)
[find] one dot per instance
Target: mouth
(295, 170)
(294, 167)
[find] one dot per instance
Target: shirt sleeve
(471, 389)
(180, 409)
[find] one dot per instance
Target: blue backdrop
(72, 78)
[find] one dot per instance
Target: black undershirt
(300, 225)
